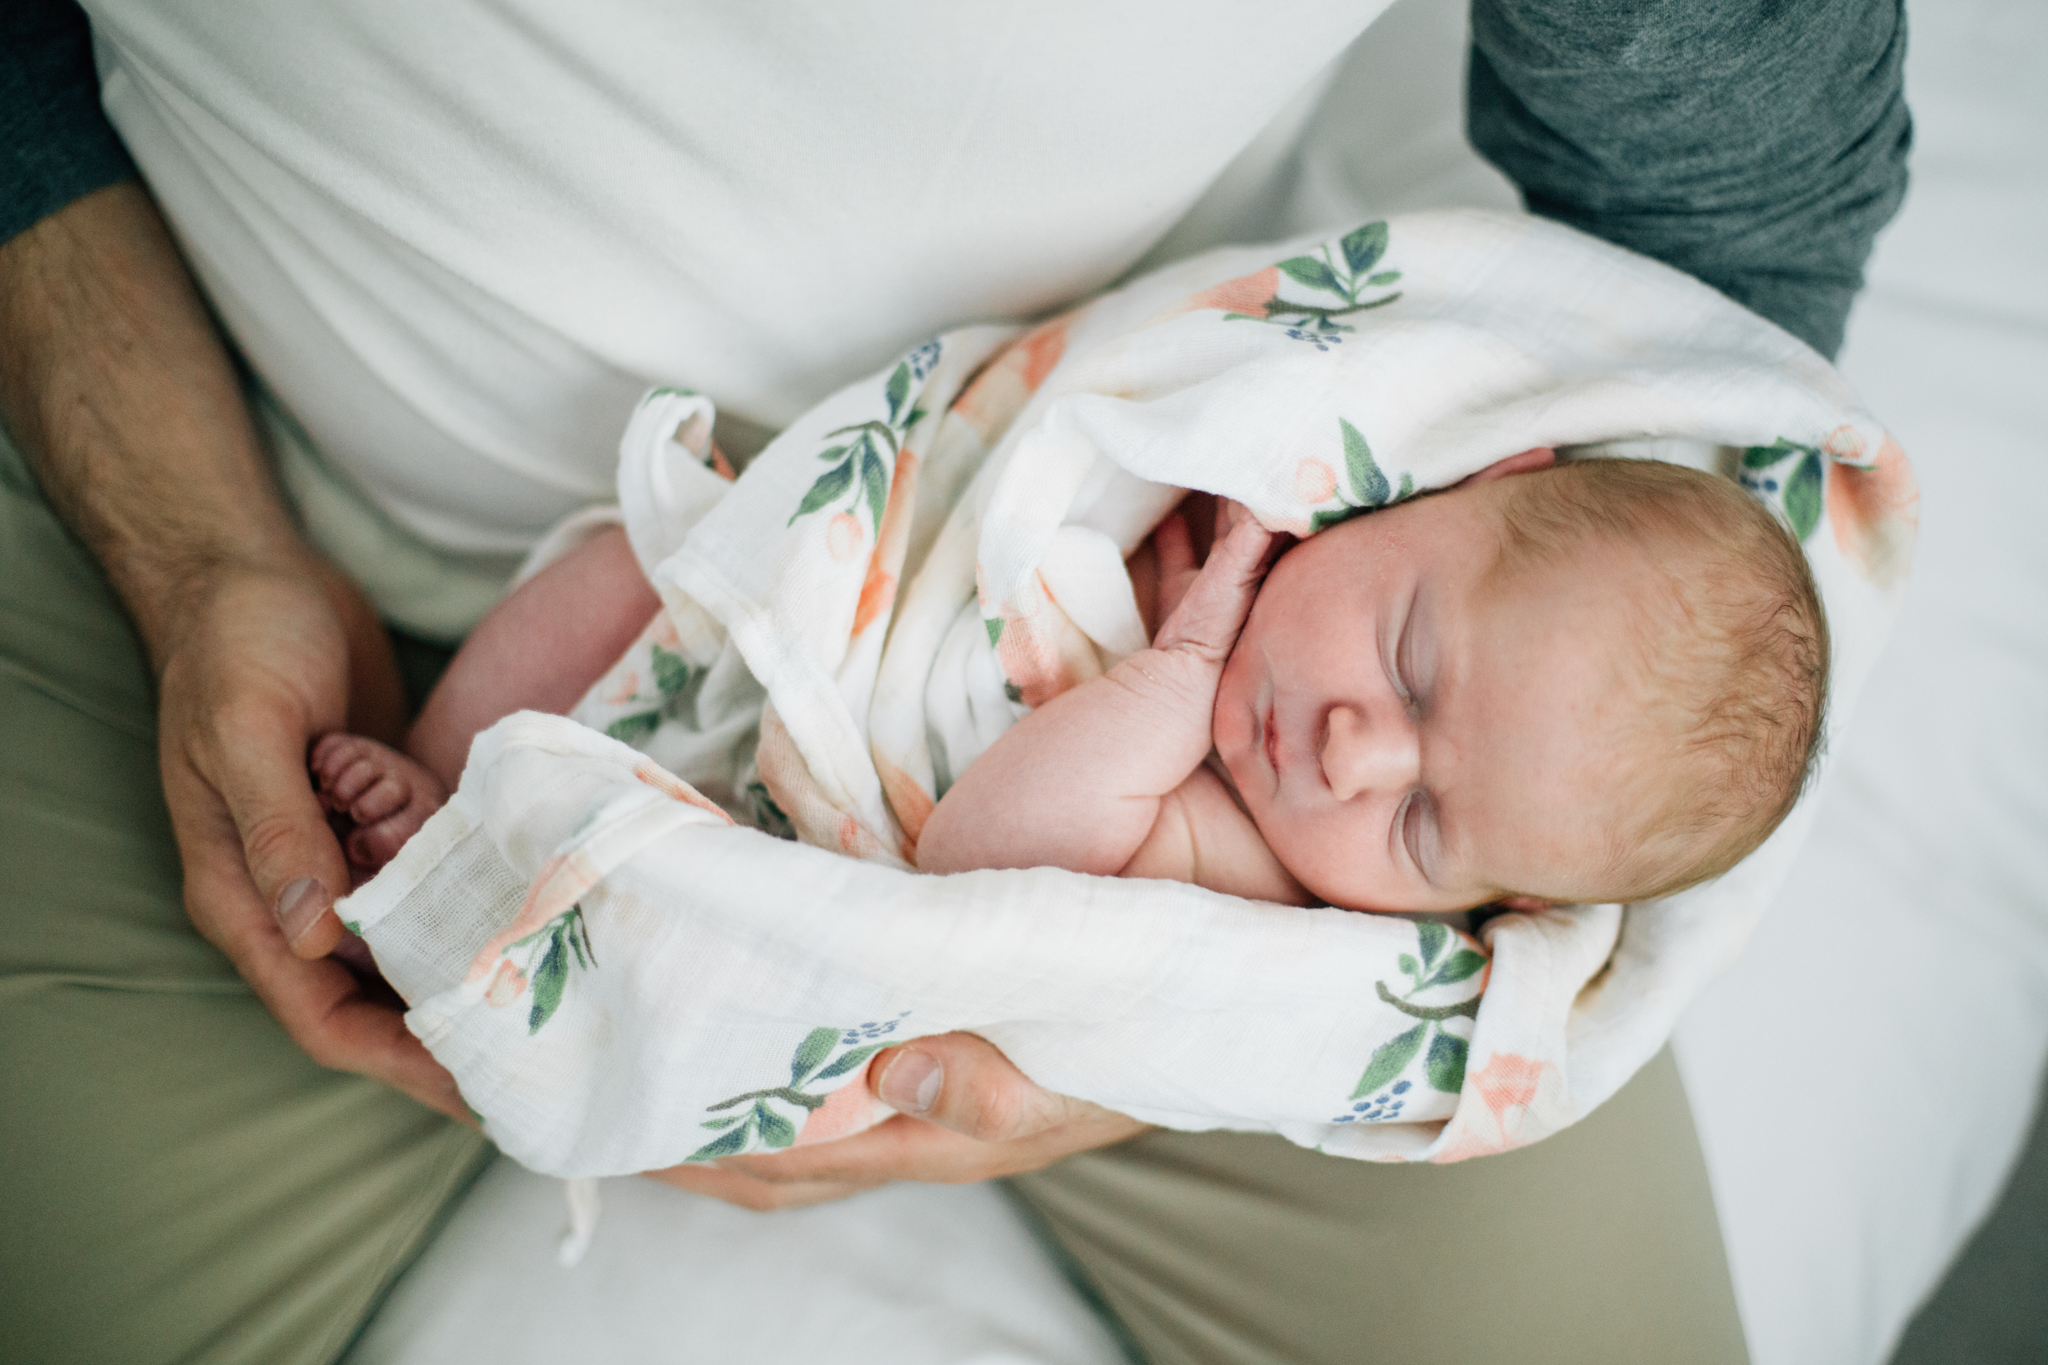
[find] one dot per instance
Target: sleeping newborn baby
(1600, 680)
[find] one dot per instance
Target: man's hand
(965, 1114)
(114, 383)
(265, 662)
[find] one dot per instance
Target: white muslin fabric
(624, 969)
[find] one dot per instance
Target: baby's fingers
(1174, 548)
(1212, 613)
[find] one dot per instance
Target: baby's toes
(373, 845)
(385, 795)
(344, 765)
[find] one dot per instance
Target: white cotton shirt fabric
(456, 242)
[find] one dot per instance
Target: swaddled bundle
(623, 972)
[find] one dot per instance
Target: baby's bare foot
(382, 796)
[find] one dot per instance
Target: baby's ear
(1527, 905)
(1538, 457)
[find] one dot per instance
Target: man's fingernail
(912, 1082)
(299, 904)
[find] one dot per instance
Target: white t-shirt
(456, 241)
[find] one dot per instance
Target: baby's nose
(1361, 754)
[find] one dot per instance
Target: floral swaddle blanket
(605, 941)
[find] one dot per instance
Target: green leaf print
(731, 1144)
(1331, 516)
(846, 1062)
(995, 628)
(671, 674)
(776, 1131)
(634, 728)
(1368, 486)
(1363, 248)
(875, 480)
(831, 453)
(1803, 495)
(764, 1125)
(1441, 962)
(1445, 1065)
(549, 951)
(1340, 278)
(899, 389)
(1461, 965)
(1433, 938)
(831, 485)
(815, 1048)
(548, 981)
(1389, 1060)
(1763, 457)
(1313, 273)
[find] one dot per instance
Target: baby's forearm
(1077, 783)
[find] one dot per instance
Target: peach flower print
(844, 536)
(1845, 443)
(1314, 481)
(506, 985)
(1247, 294)
(846, 1110)
(1509, 1086)
(1875, 513)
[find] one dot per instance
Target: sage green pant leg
(1599, 1245)
(178, 1182)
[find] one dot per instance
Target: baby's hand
(1205, 609)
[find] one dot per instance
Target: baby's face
(1412, 735)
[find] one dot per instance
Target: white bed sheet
(1857, 1123)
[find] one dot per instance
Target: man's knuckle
(269, 837)
(995, 1113)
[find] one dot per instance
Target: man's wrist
(117, 388)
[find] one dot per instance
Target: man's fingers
(372, 1040)
(320, 1003)
(996, 1122)
(964, 1083)
(293, 859)
(750, 1192)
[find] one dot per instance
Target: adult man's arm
(1758, 145)
(115, 385)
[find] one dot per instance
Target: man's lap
(180, 1181)
(1597, 1245)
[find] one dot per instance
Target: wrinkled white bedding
(1856, 1122)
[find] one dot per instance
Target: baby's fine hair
(1733, 654)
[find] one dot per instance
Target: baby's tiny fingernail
(912, 1082)
(301, 903)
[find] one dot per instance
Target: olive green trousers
(179, 1183)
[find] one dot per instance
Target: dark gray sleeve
(1758, 145)
(55, 143)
